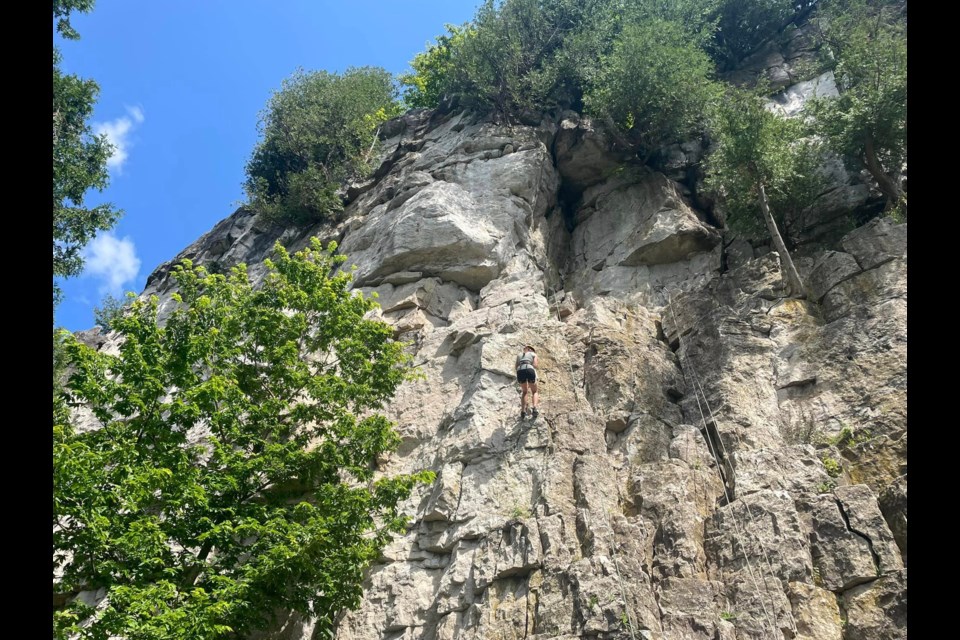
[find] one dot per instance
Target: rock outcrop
(713, 459)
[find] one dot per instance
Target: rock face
(712, 460)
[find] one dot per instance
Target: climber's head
(529, 348)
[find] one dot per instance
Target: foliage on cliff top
(517, 55)
(866, 46)
(317, 132)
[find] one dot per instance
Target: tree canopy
(79, 159)
(231, 471)
(655, 86)
(761, 163)
(317, 133)
(866, 46)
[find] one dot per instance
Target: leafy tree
(655, 86)
(508, 45)
(318, 132)
(61, 13)
(743, 25)
(433, 70)
(79, 159)
(108, 311)
(866, 43)
(233, 470)
(759, 160)
(513, 60)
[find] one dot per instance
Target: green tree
(743, 25)
(232, 473)
(760, 160)
(513, 60)
(108, 310)
(317, 132)
(432, 71)
(79, 159)
(866, 46)
(655, 86)
(61, 13)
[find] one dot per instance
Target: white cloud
(118, 133)
(114, 261)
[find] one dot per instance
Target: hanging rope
(698, 393)
(726, 456)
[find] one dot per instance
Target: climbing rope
(616, 565)
(726, 456)
(698, 392)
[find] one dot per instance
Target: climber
(527, 377)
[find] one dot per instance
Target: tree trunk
(888, 186)
(786, 262)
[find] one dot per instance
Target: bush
(318, 132)
(433, 71)
(655, 86)
(743, 25)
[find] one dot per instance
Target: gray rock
(843, 556)
(877, 242)
(791, 100)
(893, 505)
(639, 223)
(832, 268)
(815, 612)
(760, 532)
(583, 152)
(667, 388)
(877, 610)
(864, 518)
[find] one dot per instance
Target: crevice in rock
(661, 335)
(724, 259)
(526, 609)
(456, 510)
(724, 467)
(568, 199)
(873, 552)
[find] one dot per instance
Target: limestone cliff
(713, 460)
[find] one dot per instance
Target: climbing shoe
(534, 414)
(522, 414)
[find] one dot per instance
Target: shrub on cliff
(761, 163)
(865, 43)
(317, 133)
(654, 87)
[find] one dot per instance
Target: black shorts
(526, 375)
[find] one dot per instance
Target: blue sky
(182, 83)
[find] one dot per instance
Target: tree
(866, 124)
(109, 308)
(79, 159)
(655, 86)
(432, 71)
(61, 13)
(758, 160)
(232, 470)
(318, 132)
(512, 60)
(743, 25)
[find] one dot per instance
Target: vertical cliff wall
(712, 459)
